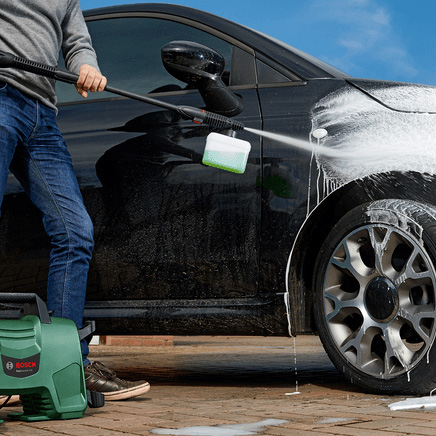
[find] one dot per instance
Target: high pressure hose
(199, 116)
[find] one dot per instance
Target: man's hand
(90, 80)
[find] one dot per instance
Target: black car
(338, 240)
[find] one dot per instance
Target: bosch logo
(20, 368)
(26, 365)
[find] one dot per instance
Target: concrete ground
(224, 386)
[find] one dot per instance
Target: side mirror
(201, 67)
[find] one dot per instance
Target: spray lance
(221, 151)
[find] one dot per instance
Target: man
(32, 147)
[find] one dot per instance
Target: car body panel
(164, 221)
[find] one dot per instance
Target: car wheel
(375, 286)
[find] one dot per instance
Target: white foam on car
(371, 138)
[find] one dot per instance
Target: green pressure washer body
(41, 361)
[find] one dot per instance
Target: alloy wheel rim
(379, 300)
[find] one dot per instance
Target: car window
(268, 75)
(129, 54)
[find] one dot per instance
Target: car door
(166, 226)
(292, 180)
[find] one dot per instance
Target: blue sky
(379, 39)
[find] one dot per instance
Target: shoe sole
(127, 393)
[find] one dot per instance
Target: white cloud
(364, 29)
(381, 17)
(353, 45)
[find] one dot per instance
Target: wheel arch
(412, 185)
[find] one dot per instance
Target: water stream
(294, 142)
(364, 156)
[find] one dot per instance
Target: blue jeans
(32, 147)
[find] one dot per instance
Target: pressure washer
(41, 361)
(221, 151)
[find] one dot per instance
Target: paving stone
(412, 430)
(211, 381)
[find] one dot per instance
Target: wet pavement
(230, 386)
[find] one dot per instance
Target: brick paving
(217, 382)
(138, 341)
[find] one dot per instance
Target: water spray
(223, 151)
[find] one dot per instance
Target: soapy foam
(423, 403)
(370, 138)
(366, 138)
(222, 430)
(411, 98)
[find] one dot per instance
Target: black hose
(5, 402)
(199, 116)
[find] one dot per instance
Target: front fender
(411, 185)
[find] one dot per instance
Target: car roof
(300, 63)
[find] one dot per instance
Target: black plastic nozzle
(201, 116)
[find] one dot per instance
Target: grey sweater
(39, 30)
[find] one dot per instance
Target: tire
(375, 297)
